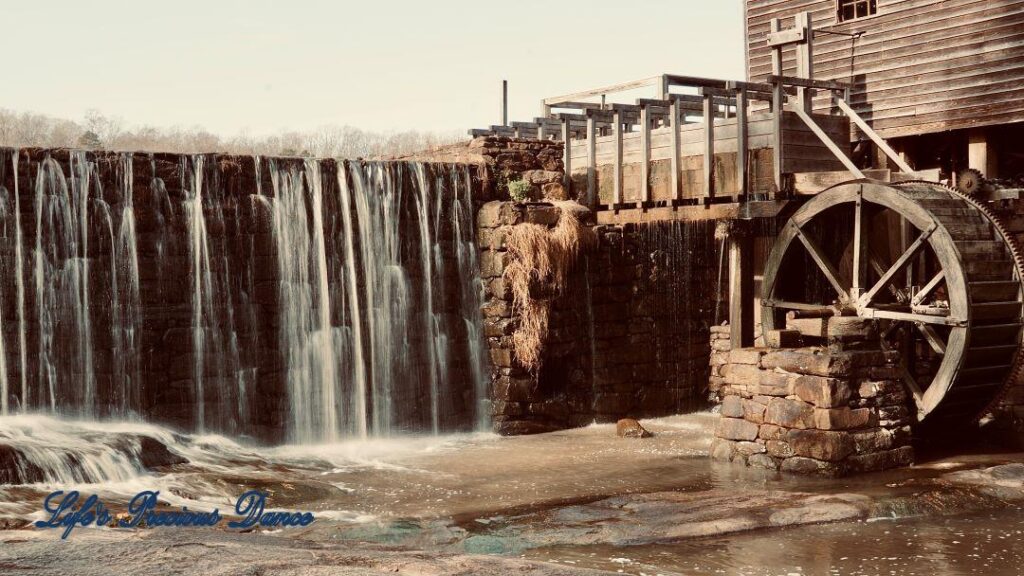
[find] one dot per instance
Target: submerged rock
(16, 469)
(630, 428)
(154, 454)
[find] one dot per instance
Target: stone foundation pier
(815, 410)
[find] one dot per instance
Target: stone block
(779, 449)
(822, 392)
(789, 413)
(554, 191)
(809, 466)
(821, 445)
(721, 346)
(783, 339)
(873, 462)
(751, 356)
(736, 429)
(763, 461)
(873, 440)
(749, 448)
(544, 215)
(492, 263)
(722, 449)
(494, 214)
(771, 432)
(497, 309)
(501, 357)
(741, 374)
(843, 418)
(732, 407)
(753, 411)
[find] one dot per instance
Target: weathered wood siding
(922, 66)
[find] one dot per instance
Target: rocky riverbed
(575, 502)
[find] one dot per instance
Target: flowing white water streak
(81, 185)
(435, 343)
(126, 305)
(358, 371)
(19, 271)
(4, 216)
(305, 305)
(472, 289)
(202, 285)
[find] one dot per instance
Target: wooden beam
(675, 118)
(567, 155)
(787, 37)
(805, 59)
(859, 247)
(645, 157)
(741, 142)
(867, 130)
(617, 132)
(623, 87)
(778, 105)
(591, 161)
(709, 149)
(741, 291)
(775, 27)
(807, 83)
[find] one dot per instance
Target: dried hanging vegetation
(540, 260)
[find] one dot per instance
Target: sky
(265, 66)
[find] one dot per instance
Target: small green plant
(519, 190)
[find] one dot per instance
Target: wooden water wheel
(934, 269)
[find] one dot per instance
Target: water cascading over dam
(282, 299)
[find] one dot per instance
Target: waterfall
(289, 300)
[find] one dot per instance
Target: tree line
(97, 131)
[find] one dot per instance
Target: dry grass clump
(540, 260)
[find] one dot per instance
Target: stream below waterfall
(581, 500)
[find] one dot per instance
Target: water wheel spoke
(940, 320)
(826, 267)
(928, 288)
(900, 263)
(911, 382)
(789, 305)
(880, 269)
(933, 338)
(860, 251)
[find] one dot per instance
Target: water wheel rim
(939, 239)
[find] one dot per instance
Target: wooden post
(778, 108)
(592, 196)
(741, 287)
(663, 88)
(775, 27)
(645, 157)
(567, 155)
(980, 155)
(804, 60)
(617, 131)
(675, 119)
(741, 142)
(709, 147)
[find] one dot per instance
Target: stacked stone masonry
(814, 411)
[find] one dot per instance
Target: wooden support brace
(567, 155)
(778, 106)
(867, 130)
(741, 142)
(836, 151)
(645, 157)
(709, 148)
(676, 120)
(591, 161)
(741, 291)
(617, 130)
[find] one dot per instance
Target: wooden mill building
(941, 80)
